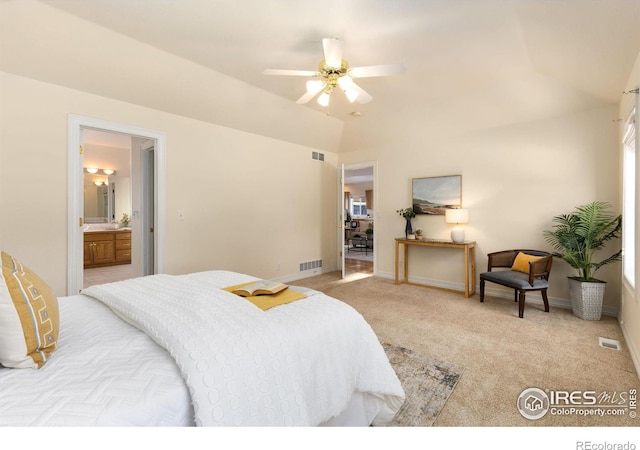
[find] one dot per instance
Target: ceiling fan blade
(363, 96)
(286, 72)
(311, 92)
(332, 52)
(306, 98)
(377, 71)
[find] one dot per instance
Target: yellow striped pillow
(29, 318)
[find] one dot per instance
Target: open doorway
(107, 196)
(359, 225)
(146, 210)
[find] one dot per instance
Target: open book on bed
(260, 287)
(266, 294)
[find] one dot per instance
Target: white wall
(144, 75)
(358, 189)
(515, 178)
(525, 154)
(252, 204)
(122, 197)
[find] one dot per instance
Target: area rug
(427, 383)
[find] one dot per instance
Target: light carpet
(427, 383)
(501, 354)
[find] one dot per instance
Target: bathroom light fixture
(99, 183)
(457, 216)
(94, 170)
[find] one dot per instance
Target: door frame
(75, 201)
(341, 210)
(146, 245)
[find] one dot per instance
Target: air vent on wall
(317, 155)
(309, 265)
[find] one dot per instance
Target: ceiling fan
(334, 72)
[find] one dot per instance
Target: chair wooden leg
(521, 304)
(545, 300)
(481, 290)
(515, 295)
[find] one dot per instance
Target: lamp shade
(324, 99)
(457, 215)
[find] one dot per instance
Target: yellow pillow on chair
(521, 263)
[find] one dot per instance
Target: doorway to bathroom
(107, 237)
(127, 215)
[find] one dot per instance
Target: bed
(168, 350)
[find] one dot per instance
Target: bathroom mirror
(106, 204)
(99, 201)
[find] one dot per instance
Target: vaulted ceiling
(446, 45)
(472, 58)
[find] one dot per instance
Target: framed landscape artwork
(433, 195)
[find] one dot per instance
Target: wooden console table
(469, 260)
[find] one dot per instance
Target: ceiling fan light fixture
(324, 99)
(333, 72)
(314, 86)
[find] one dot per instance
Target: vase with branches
(408, 214)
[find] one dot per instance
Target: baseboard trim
(534, 297)
(305, 274)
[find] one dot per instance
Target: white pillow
(29, 318)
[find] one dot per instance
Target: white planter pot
(586, 298)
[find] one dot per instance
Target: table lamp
(457, 216)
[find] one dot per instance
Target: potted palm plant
(576, 237)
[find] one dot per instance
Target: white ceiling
(353, 176)
(580, 50)
(471, 65)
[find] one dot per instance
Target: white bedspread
(104, 372)
(295, 364)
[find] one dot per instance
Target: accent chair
(522, 270)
